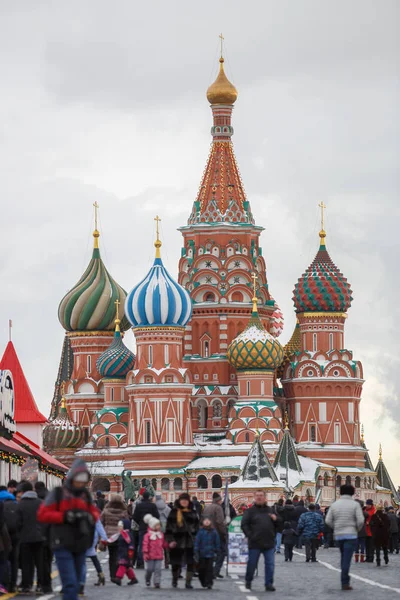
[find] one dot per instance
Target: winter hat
(288, 501)
(142, 491)
(78, 472)
(158, 495)
(369, 502)
(126, 523)
(145, 495)
(151, 521)
(287, 525)
(379, 506)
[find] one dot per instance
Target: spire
(157, 243)
(322, 233)
(384, 478)
(254, 299)
(362, 434)
(64, 374)
(257, 465)
(117, 319)
(96, 233)
(221, 197)
(287, 457)
(367, 458)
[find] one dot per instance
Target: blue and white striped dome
(158, 300)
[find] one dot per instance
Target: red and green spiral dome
(322, 288)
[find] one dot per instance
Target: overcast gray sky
(106, 101)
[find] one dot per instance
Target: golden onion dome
(255, 348)
(222, 91)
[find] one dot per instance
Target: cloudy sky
(106, 101)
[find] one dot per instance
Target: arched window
(357, 482)
(209, 297)
(107, 442)
(262, 388)
(112, 394)
(237, 297)
(313, 433)
(148, 432)
(331, 341)
(206, 348)
(202, 482)
(145, 482)
(369, 483)
(338, 481)
(154, 483)
(248, 388)
(165, 483)
(178, 483)
(166, 354)
(202, 409)
(365, 483)
(89, 364)
(314, 342)
(234, 478)
(150, 355)
(246, 437)
(216, 482)
(326, 479)
(348, 480)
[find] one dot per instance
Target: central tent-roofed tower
(220, 252)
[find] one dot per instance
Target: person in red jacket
(72, 516)
(369, 511)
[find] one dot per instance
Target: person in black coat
(182, 526)
(300, 509)
(279, 510)
(143, 508)
(289, 539)
(31, 537)
(11, 521)
(258, 525)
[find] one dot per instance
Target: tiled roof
(26, 410)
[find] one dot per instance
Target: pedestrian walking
(380, 529)
(182, 526)
(5, 548)
(289, 538)
(46, 582)
(258, 525)
(72, 514)
(99, 535)
(279, 510)
(346, 519)
(145, 507)
(11, 522)
(206, 547)
(154, 544)
(164, 511)
(359, 555)
(31, 538)
(328, 532)
(113, 513)
(394, 531)
(310, 526)
(125, 554)
(369, 510)
(300, 510)
(215, 513)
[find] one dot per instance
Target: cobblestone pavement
(297, 580)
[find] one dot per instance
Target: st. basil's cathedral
(211, 395)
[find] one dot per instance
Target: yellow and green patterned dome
(255, 348)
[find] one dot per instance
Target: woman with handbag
(114, 512)
(181, 529)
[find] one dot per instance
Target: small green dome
(255, 348)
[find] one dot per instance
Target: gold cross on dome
(157, 220)
(96, 208)
(221, 37)
(254, 278)
(117, 303)
(322, 207)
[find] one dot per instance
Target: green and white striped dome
(90, 304)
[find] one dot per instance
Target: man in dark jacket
(72, 515)
(144, 507)
(258, 525)
(279, 510)
(31, 538)
(46, 584)
(215, 513)
(310, 525)
(300, 510)
(394, 531)
(11, 521)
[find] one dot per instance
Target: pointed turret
(368, 461)
(384, 477)
(26, 410)
(286, 457)
(257, 466)
(64, 374)
(221, 197)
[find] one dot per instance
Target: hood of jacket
(160, 503)
(78, 466)
(4, 495)
(31, 495)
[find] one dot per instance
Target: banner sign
(237, 547)
(7, 420)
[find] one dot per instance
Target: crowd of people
(187, 536)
